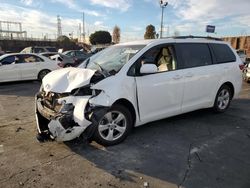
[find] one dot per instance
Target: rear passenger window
(222, 53)
(194, 55)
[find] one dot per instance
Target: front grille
(49, 100)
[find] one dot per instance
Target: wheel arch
(230, 85)
(41, 71)
(129, 106)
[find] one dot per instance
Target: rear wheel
(42, 73)
(113, 126)
(223, 99)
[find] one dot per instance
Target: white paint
(67, 79)
(57, 129)
(157, 96)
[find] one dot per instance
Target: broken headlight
(84, 91)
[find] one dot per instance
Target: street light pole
(162, 5)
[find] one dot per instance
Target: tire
(67, 65)
(223, 99)
(42, 73)
(108, 132)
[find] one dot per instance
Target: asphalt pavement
(200, 149)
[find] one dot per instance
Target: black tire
(67, 65)
(99, 136)
(42, 73)
(224, 94)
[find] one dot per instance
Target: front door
(9, 70)
(160, 94)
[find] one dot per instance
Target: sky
(186, 17)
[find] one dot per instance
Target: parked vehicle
(130, 84)
(246, 72)
(77, 55)
(48, 54)
(17, 67)
(38, 49)
(64, 60)
(242, 55)
(96, 49)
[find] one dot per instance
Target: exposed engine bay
(64, 113)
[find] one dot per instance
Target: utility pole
(162, 5)
(59, 26)
(80, 33)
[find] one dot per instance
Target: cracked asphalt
(199, 149)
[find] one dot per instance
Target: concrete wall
(18, 45)
(242, 42)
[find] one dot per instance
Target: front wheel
(42, 74)
(223, 99)
(113, 126)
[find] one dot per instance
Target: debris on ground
(19, 129)
(21, 183)
(145, 184)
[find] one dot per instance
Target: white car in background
(242, 55)
(17, 67)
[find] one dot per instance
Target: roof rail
(197, 37)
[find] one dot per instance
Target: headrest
(165, 52)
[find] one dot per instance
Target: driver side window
(162, 56)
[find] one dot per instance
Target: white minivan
(130, 84)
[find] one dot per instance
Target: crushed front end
(62, 106)
(61, 116)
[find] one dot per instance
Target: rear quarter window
(222, 53)
(193, 55)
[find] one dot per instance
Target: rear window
(222, 53)
(194, 55)
(51, 49)
(38, 50)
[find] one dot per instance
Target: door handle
(177, 77)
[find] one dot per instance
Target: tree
(63, 39)
(100, 37)
(150, 32)
(116, 34)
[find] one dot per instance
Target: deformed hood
(66, 79)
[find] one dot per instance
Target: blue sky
(184, 16)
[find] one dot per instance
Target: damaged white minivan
(130, 84)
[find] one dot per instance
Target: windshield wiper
(105, 72)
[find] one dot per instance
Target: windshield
(113, 58)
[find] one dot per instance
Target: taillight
(241, 66)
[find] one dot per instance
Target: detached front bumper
(65, 124)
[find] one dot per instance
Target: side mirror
(148, 69)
